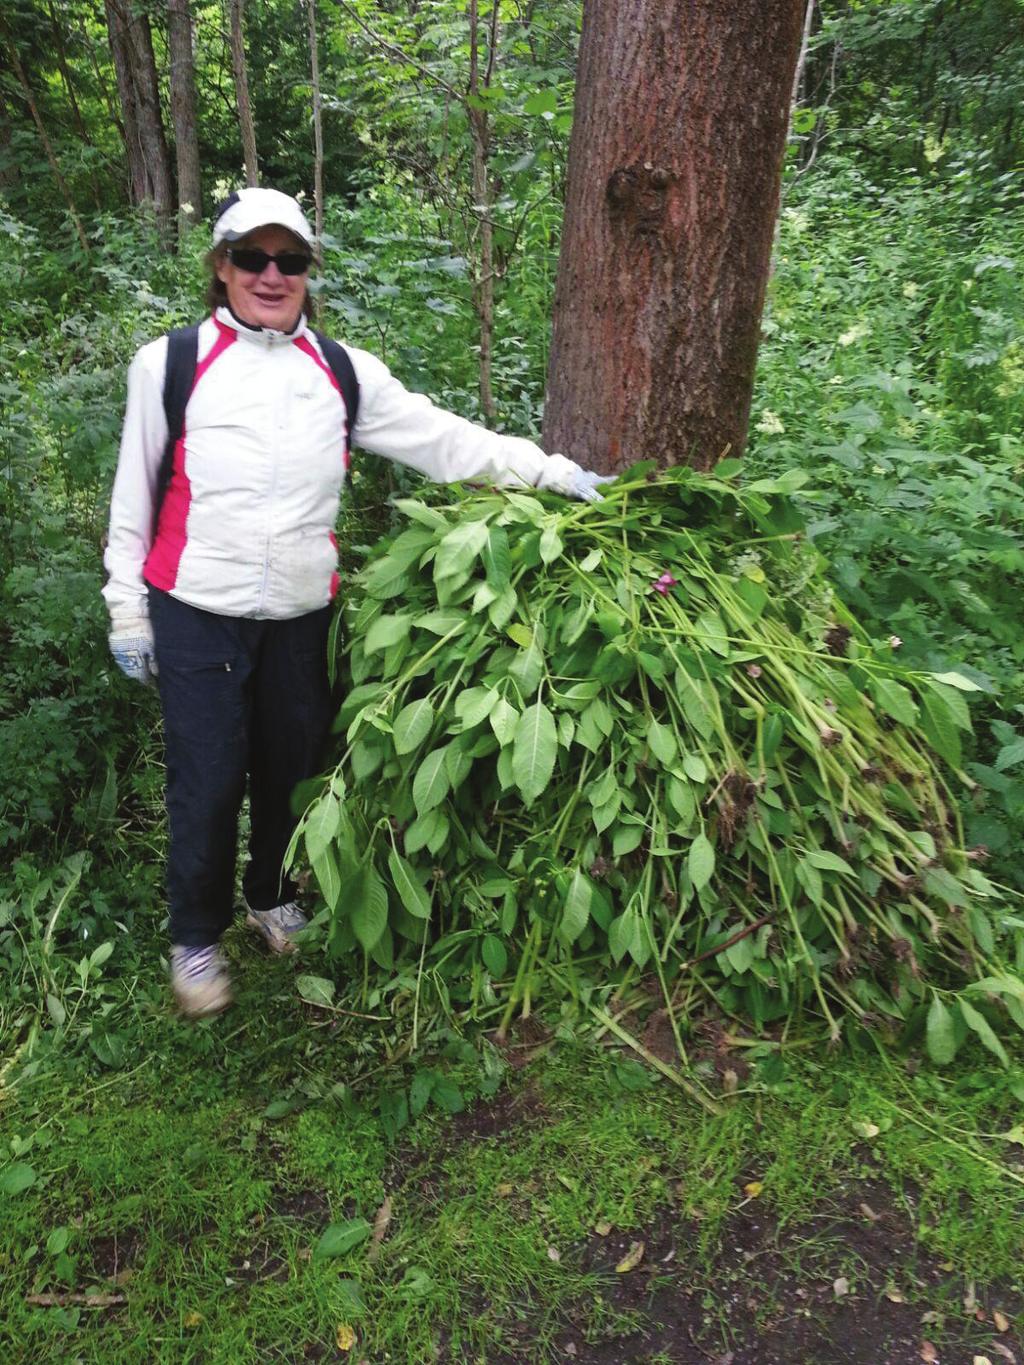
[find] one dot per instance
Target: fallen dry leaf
(603, 1228)
(505, 1189)
(894, 1296)
(554, 1254)
(841, 1287)
(344, 1337)
(928, 1352)
(981, 1360)
(632, 1259)
(192, 1319)
(1003, 1351)
(381, 1222)
(869, 1213)
(1001, 1321)
(753, 1189)
(970, 1298)
(1015, 1134)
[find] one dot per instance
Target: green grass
(216, 1207)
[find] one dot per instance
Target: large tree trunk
(183, 113)
(675, 160)
(138, 179)
(245, 120)
(147, 105)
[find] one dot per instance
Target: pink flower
(894, 642)
(665, 582)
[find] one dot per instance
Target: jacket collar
(261, 335)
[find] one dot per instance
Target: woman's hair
(216, 290)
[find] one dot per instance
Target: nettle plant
(641, 743)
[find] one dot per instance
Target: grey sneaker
(200, 981)
(278, 926)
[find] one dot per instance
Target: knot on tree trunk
(637, 194)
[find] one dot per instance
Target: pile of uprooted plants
(586, 747)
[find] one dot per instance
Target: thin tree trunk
(483, 291)
(183, 113)
(318, 127)
(65, 74)
(26, 90)
(801, 61)
(682, 108)
(245, 122)
(138, 179)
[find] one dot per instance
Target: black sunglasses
(254, 261)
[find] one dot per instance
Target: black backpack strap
(341, 367)
(182, 355)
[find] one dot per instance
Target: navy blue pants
(241, 699)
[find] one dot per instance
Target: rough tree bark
(675, 159)
(149, 162)
(138, 180)
(245, 120)
(183, 113)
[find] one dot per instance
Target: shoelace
(195, 962)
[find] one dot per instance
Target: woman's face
(268, 299)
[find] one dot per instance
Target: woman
(222, 561)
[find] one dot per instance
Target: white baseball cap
(246, 210)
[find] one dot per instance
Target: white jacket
(247, 524)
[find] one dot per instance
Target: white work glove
(131, 644)
(585, 485)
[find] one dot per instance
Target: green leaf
(16, 1178)
(940, 727)
(534, 751)
(410, 891)
(430, 785)
(340, 1238)
(695, 768)
(894, 699)
(740, 955)
(576, 911)
(504, 720)
(385, 631)
(494, 954)
(977, 1022)
(542, 102)
(550, 545)
(626, 839)
(322, 824)
(662, 743)
(693, 699)
(497, 558)
(458, 549)
(520, 635)
(622, 933)
(829, 862)
(1010, 756)
(771, 736)
(474, 705)
(957, 680)
(701, 861)
(366, 902)
(328, 876)
(316, 989)
(58, 1241)
(441, 622)
(412, 725)
(421, 831)
(940, 1033)
(711, 627)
